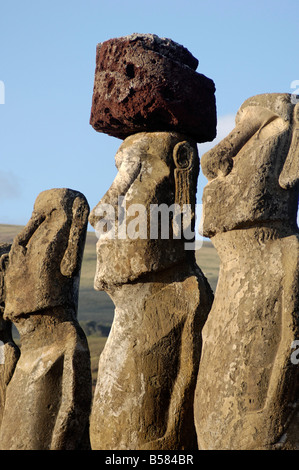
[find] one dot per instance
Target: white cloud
(9, 185)
(225, 125)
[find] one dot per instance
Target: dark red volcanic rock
(145, 83)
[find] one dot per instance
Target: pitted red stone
(145, 83)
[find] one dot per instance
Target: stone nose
(127, 173)
(219, 160)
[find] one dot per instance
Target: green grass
(95, 308)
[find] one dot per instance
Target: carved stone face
(45, 256)
(150, 166)
(245, 170)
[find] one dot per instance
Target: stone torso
(147, 371)
(253, 318)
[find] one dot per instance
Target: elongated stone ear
(185, 157)
(289, 176)
(72, 257)
(186, 160)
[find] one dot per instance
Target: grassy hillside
(96, 308)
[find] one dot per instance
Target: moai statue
(147, 371)
(9, 351)
(49, 396)
(248, 384)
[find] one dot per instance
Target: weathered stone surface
(51, 383)
(248, 386)
(147, 371)
(9, 351)
(147, 83)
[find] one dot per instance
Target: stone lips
(144, 83)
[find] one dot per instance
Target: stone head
(45, 257)
(253, 173)
(157, 171)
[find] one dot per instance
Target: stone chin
(124, 261)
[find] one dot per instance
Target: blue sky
(47, 62)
